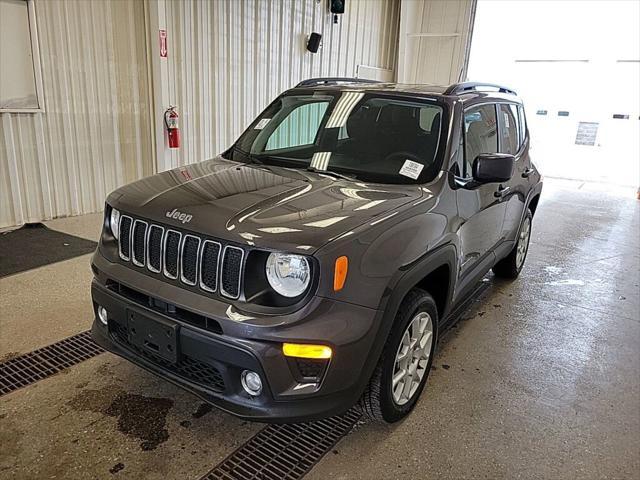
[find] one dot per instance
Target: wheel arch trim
(398, 290)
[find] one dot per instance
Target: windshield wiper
(332, 173)
(247, 156)
(252, 159)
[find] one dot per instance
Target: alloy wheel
(523, 242)
(412, 358)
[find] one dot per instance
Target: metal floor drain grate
(289, 451)
(284, 451)
(44, 362)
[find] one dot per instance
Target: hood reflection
(269, 207)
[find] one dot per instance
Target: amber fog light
(251, 382)
(102, 315)
(301, 350)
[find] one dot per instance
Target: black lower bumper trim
(188, 367)
(201, 355)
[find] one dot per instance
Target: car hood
(271, 207)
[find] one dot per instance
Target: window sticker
(506, 120)
(411, 169)
(262, 123)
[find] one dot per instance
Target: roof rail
(475, 86)
(332, 81)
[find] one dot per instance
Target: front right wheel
(403, 368)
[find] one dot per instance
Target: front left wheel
(403, 368)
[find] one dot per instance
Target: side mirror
(493, 167)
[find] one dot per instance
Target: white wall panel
(94, 134)
(228, 59)
(434, 40)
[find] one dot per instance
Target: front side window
(481, 134)
(368, 136)
(509, 128)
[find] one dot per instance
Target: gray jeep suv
(312, 265)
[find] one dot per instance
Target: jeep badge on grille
(182, 217)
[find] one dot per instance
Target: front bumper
(210, 364)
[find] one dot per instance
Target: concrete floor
(540, 380)
(56, 294)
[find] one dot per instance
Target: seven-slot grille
(187, 257)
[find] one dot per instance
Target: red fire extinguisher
(173, 132)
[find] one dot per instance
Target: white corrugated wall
(95, 132)
(228, 59)
(434, 40)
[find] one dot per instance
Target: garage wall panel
(94, 134)
(228, 59)
(434, 40)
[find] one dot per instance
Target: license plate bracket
(158, 337)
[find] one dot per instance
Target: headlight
(114, 223)
(289, 275)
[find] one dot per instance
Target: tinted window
(481, 135)
(523, 124)
(371, 137)
(509, 131)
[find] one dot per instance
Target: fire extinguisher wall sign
(162, 35)
(173, 131)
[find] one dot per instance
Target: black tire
(508, 267)
(377, 400)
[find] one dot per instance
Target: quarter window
(523, 124)
(481, 134)
(509, 131)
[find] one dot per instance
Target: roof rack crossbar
(311, 82)
(476, 86)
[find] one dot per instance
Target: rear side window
(509, 128)
(481, 135)
(523, 124)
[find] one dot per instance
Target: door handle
(527, 172)
(501, 192)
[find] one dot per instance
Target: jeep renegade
(312, 265)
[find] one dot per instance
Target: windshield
(367, 136)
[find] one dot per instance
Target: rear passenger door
(481, 212)
(511, 140)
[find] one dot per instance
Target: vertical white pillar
(160, 81)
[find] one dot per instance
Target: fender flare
(397, 290)
(412, 274)
(535, 190)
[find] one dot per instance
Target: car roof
(465, 91)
